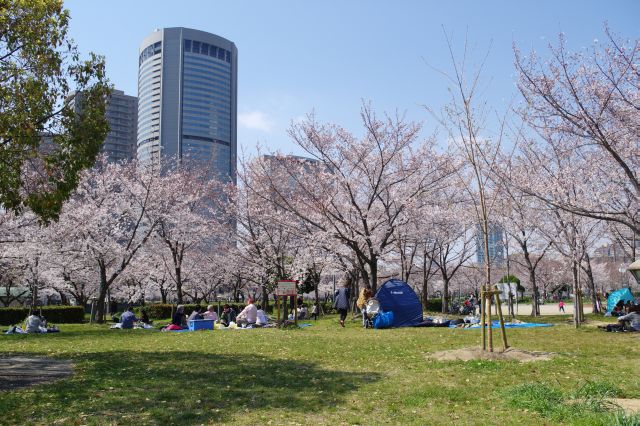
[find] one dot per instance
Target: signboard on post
(507, 288)
(286, 288)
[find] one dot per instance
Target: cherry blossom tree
(106, 219)
(355, 190)
(185, 219)
(585, 110)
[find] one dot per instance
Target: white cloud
(257, 120)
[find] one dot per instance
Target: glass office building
(121, 114)
(187, 91)
(496, 244)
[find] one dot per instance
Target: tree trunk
(265, 297)
(445, 295)
(576, 294)
(102, 295)
(591, 283)
(315, 290)
(425, 289)
(179, 284)
(373, 275)
(535, 309)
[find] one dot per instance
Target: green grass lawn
(320, 375)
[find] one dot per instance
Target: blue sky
(328, 56)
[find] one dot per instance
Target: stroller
(371, 310)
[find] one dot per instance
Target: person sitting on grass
(128, 318)
(179, 320)
(33, 324)
(261, 316)
(249, 314)
(144, 318)
(227, 316)
(302, 312)
(210, 313)
(195, 315)
(618, 310)
(632, 318)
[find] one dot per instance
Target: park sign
(507, 289)
(286, 288)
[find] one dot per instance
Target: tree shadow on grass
(180, 387)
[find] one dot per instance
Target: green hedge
(434, 305)
(53, 314)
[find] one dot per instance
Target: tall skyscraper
(496, 244)
(187, 89)
(122, 116)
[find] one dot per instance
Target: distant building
(615, 252)
(304, 166)
(496, 244)
(122, 116)
(187, 88)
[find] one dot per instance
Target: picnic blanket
(496, 324)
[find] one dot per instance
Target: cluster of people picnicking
(129, 320)
(250, 317)
(34, 324)
(628, 314)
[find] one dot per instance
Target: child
(561, 306)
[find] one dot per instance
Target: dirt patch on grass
(629, 405)
(21, 371)
(471, 354)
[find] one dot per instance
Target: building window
(187, 45)
(221, 54)
(196, 46)
(205, 49)
(228, 56)
(213, 51)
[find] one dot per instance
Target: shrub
(434, 305)
(156, 310)
(53, 314)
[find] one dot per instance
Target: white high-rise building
(187, 91)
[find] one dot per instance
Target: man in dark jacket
(341, 303)
(227, 316)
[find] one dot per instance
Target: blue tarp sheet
(398, 297)
(496, 324)
(623, 294)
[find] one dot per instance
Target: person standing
(561, 306)
(361, 303)
(314, 311)
(341, 301)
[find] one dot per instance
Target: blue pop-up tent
(398, 297)
(623, 294)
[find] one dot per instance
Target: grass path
(321, 374)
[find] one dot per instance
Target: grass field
(323, 374)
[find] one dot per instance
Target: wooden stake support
(487, 296)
